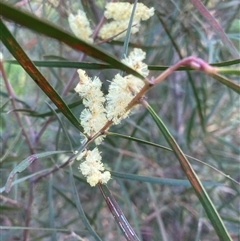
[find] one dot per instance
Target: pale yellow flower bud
(105, 177)
(80, 26)
(116, 28)
(121, 12)
(119, 95)
(123, 89)
(134, 60)
(93, 118)
(92, 168)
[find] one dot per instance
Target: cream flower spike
(92, 168)
(134, 60)
(80, 26)
(113, 28)
(123, 89)
(93, 117)
(119, 96)
(121, 12)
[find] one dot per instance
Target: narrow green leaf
(85, 65)
(66, 64)
(197, 99)
(230, 84)
(33, 228)
(118, 214)
(43, 27)
(162, 181)
(226, 63)
(15, 49)
(26, 163)
(169, 149)
(7, 209)
(232, 219)
(128, 34)
(229, 71)
(49, 113)
(138, 140)
(190, 126)
(193, 178)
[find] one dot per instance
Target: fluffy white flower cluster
(98, 109)
(92, 168)
(123, 89)
(80, 26)
(94, 117)
(134, 60)
(121, 12)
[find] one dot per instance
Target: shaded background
(160, 211)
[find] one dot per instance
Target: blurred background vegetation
(163, 211)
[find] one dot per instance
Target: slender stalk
(191, 61)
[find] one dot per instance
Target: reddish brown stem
(193, 62)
